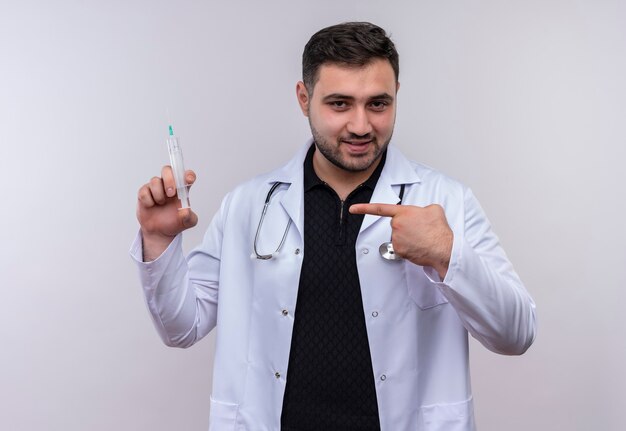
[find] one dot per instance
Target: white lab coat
(416, 324)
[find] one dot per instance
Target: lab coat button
(285, 312)
(277, 375)
(366, 250)
(297, 251)
(375, 313)
(383, 377)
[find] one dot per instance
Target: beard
(357, 163)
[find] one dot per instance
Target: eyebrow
(338, 96)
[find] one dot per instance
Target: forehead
(376, 77)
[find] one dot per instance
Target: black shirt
(330, 381)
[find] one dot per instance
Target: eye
(338, 104)
(379, 105)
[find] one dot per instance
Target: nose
(359, 123)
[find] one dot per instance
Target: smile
(358, 147)
(357, 143)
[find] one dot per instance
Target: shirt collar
(311, 179)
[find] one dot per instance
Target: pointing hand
(419, 234)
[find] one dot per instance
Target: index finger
(384, 210)
(168, 181)
(170, 184)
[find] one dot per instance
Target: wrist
(154, 244)
(442, 262)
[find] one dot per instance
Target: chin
(357, 163)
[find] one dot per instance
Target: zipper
(341, 228)
(342, 204)
(341, 212)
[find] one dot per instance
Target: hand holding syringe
(159, 212)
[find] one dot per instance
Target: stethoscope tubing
(386, 248)
(258, 229)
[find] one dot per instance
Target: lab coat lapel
(292, 200)
(397, 171)
(293, 203)
(383, 194)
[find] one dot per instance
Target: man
(317, 330)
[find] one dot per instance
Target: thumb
(187, 217)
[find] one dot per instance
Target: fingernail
(170, 192)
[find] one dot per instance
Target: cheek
(383, 123)
(329, 124)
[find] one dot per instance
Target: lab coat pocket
(223, 416)
(449, 417)
(423, 292)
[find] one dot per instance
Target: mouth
(356, 142)
(357, 146)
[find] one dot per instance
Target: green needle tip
(171, 131)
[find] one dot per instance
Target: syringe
(178, 169)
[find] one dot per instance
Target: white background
(524, 101)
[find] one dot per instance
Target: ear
(397, 86)
(303, 97)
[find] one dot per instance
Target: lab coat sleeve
(483, 287)
(181, 293)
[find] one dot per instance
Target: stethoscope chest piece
(386, 248)
(387, 252)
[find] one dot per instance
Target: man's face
(351, 112)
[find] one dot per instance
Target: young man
(322, 323)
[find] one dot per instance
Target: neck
(343, 182)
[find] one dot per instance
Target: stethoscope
(386, 248)
(258, 229)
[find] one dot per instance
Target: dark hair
(350, 44)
